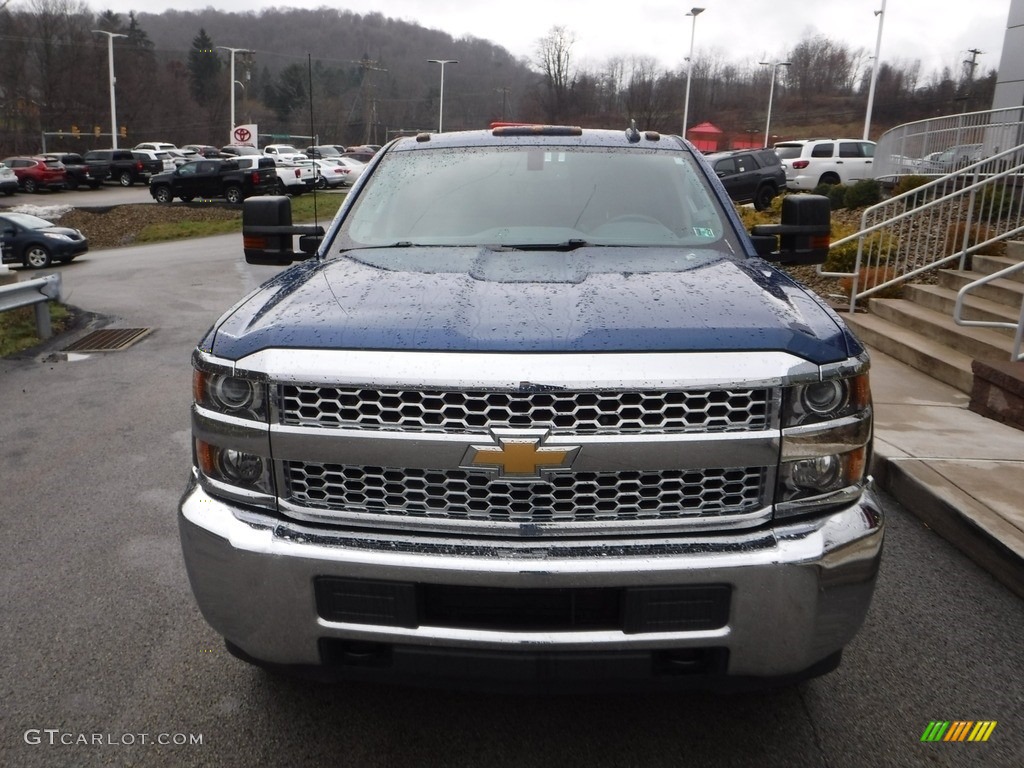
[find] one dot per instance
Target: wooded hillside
(351, 78)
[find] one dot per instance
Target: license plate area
(632, 610)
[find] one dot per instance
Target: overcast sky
(738, 31)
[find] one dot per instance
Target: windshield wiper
(566, 245)
(399, 244)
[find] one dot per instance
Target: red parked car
(37, 173)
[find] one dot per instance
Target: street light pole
(874, 72)
(771, 94)
(694, 12)
(233, 81)
(110, 65)
(440, 108)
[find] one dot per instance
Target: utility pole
(504, 101)
(369, 105)
(969, 66)
(110, 61)
(971, 63)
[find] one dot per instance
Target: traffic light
(74, 131)
(96, 131)
(123, 133)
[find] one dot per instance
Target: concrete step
(989, 265)
(1015, 250)
(913, 349)
(943, 300)
(978, 343)
(1007, 292)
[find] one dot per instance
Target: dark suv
(124, 167)
(79, 173)
(750, 175)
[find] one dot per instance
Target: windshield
(788, 151)
(531, 197)
(28, 220)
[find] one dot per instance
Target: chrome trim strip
(532, 530)
(523, 372)
(846, 368)
(432, 450)
(827, 438)
(230, 431)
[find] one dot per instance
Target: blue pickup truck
(535, 412)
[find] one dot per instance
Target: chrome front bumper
(799, 591)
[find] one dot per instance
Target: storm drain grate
(108, 340)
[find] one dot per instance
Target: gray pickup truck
(535, 412)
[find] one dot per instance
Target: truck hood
(583, 301)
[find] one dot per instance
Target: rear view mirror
(802, 237)
(267, 232)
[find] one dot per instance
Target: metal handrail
(944, 220)
(905, 149)
(961, 296)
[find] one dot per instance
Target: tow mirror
(802, 237)
(267, 232)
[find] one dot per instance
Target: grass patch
(183, 230)
(302, 211)
(18, 327)
(326, 207)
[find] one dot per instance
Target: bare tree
(647, 96)
(554, 57)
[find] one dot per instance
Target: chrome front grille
(460, 495)
(455, 411)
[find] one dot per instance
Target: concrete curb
(968, 524)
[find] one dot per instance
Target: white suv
(154, 146)
(810, 162)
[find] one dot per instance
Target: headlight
(826, 443)
(826, 400)
(56, 236)
(233, 395)
(241, 470)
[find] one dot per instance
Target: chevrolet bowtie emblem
(520, 457)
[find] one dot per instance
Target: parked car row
(70, 170)
(757, 176)
(324, 166)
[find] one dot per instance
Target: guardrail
(939, 145)
(37, 292)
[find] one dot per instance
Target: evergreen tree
(204, 67)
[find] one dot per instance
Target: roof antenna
(312, 137)
(632, 134)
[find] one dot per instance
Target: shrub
(834, 192)
(862, 194)
(837, 196)
(955, 237)
(869, 278)
(751, 218)
(843, 258)
(907, 183)
(996, 203)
